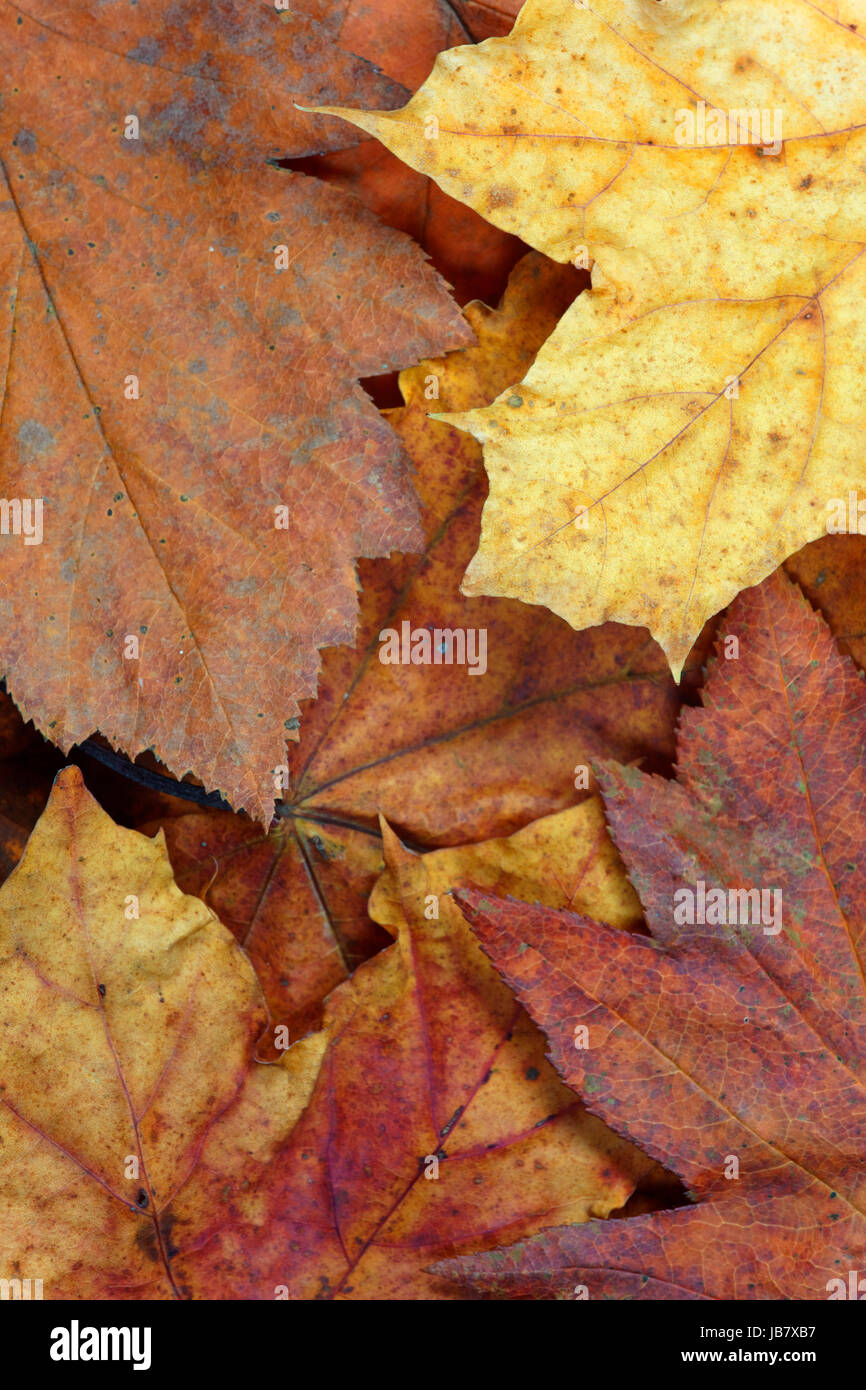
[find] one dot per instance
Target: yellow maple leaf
(695, 419)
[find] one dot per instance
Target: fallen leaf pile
(432, 739)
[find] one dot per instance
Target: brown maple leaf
(486, 19)
(294, 897)
(182, 328)
(732, 1045)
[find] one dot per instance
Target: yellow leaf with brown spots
(691, 420)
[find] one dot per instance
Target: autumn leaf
(295, 899)
(182, 328)
(444, 1022)
(731, 1046)
(157, 1159)
(391, 33)
(435, 1122)
(129, 1015)
(830, 573)
(403, 41)
(689, 423)
(487, 19)
(447, 757)
(581, 132)
(565, 860)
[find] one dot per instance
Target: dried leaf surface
(430, 1058)
(403, 40)
(451, 758)
(721, 1041)
(448, 757)
(295, 899)
(126, 1043)
(148, 1155)
(444, 755)
(570, 133)
(686, 426)
(167, 384)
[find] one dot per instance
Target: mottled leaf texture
(169, 378)
(403, 40)
(733, 1054)
(125, 1060)
(295, 899)
(830, 572)
(147, 1155)
(435, 1124)
(571, 133)
(487, 18)
(689, 422)
(447, 756)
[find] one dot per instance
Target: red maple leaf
(731, 1049)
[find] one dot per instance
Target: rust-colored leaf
(295, 1051)
(403, 40)
(730, 1047)
(435, 1123)
(170, 378)
(487, 19)
(295, 899)
(831, 573)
